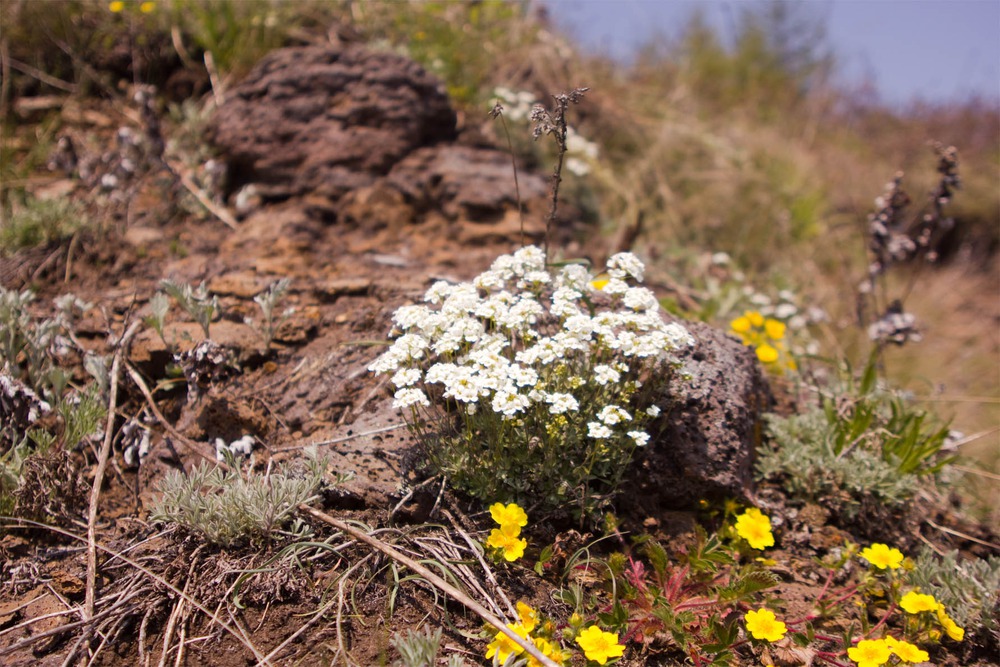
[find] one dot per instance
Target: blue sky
(936, 50)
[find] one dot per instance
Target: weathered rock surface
(321, 119)
(372, 134)
(706, 448)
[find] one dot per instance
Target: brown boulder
(328, 120)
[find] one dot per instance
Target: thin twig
(337, 441)
(434, 580)
(219, 212)
(192, 446)
(964, 536)
(976, 471)
(35, 73)
(482, 561)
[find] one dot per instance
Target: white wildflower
(612, 414)
(560, 403)
(509, 402)
(573, 276)
(653, 410)
(627, 262)
(409, 396)
(640, 437)
(406, 377)
(598, 430)
(522, 376)
(604, 374)
(438, 292)
(785, 311)
(640, 298)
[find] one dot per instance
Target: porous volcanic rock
(367, 137)
(327, 120)
(707, 445)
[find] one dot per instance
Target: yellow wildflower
(599, 646)
(740, 325)
(906, 651)
(870, 653)
(950, 627)
(503, 646)
(116, 6)
(510, 517)
(512, 547)
(914, 602)
(767, 354)
(550, 650)
(147, 7)
(762, 624)
(775, 329)
(756, 319)
(755, 528)
(882, 556)
(528, 616)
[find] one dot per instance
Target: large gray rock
(706, 448)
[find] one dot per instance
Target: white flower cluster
(580, 153)
(518, 339)
(517, 105)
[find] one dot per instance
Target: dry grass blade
(102, 464)
(434, 580)
(482, 563)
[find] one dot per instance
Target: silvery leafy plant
(532, 386)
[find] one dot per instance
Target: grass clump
(227, 507)
(36, 222)
(420, 649)
(800, 454)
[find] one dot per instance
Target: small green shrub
(30, 349)
(967, 587)
(36, 222)
(420, 649)
(82, 414)
(539, 386)
(227, 507)
(800, 454)
(268, 301)
(194, 301)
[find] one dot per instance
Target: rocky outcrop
(371, 131)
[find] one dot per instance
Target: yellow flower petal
(762, 624)
(914, 602)
(755, 528)
(598, 645)
(116, 6)
(740, 325)
(870, 653)
(775, 329)
(882, 556)
(767, 354)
